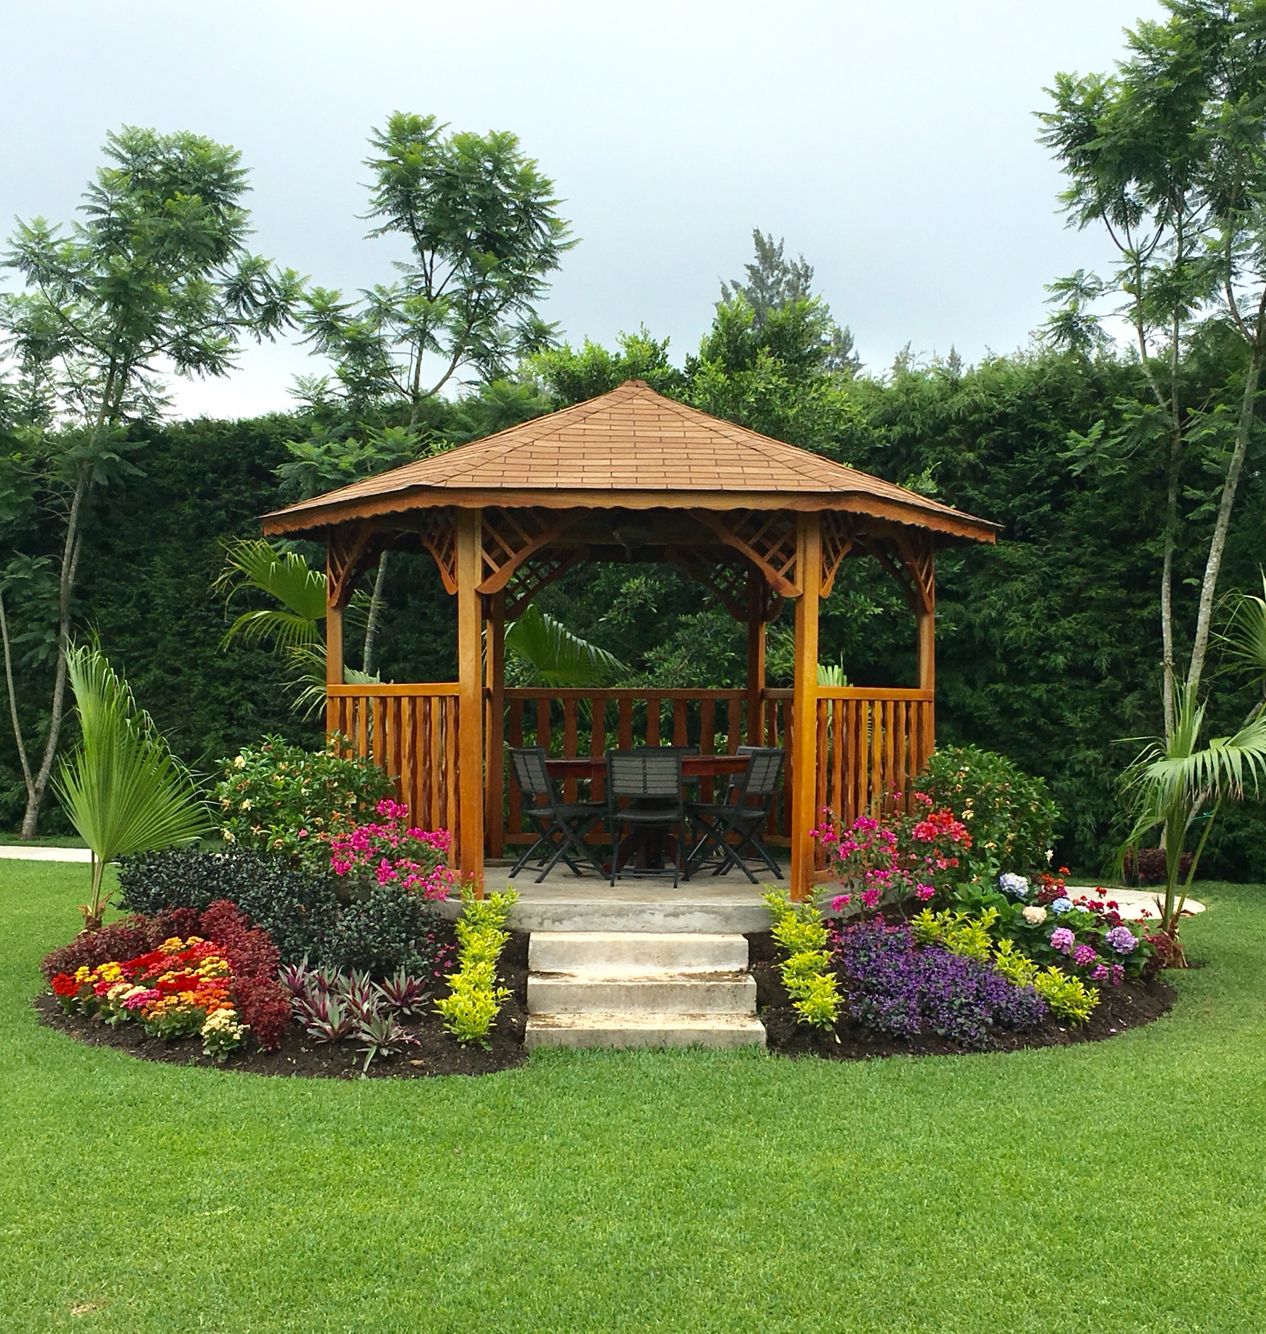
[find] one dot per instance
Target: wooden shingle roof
(629, 448)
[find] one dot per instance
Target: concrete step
(636, 952)
(643, 1030)
(651, 995)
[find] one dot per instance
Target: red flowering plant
(894, 857)
(219, 987)
(389, 850)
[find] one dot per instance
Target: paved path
(23, 852)
(1135, 905)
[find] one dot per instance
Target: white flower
(240, 762)
(1034, 915)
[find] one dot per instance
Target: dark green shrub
(1010, 814)
(390, 928)
(298, 908)
(275, 797)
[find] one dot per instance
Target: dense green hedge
(1046, 643)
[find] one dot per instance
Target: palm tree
(1176, 781)
(121, 786)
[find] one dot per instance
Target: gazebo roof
(630, 448)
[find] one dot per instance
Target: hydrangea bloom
(1015, 885)
(1062, 939)
(1084, 955)
(1034, 915)
(1122, 939)
(1061, 905)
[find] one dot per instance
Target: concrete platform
(722, 905)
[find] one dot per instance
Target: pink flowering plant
(896, 857)
(387, 850)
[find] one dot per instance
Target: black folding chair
(560, 826)
(741, 816)
(650, 781)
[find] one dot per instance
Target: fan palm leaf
(121, 787)
(549, 654)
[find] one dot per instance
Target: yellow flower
(240, 762)
(246, 805)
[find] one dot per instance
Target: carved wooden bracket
(349, 550)
(765, 538)
(529, 578)
(911, 561)
(438, 534)
(837, 541)
(511, 537)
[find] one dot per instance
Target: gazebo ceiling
(631, 449)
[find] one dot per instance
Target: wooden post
(333, 646)
(804, 704)
(495, 659)
(925, 642)
(755, 658)
(470, 702)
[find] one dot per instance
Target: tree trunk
(1167, 581)
(375, 614)
(1222, 525)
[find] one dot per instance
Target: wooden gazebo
(631, 476)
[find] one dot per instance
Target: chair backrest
(528, 763)
(663, 750)
(652, 772)
(764, 769)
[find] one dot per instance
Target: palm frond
(1244, 640)
(549, 654)
(122, 788)
(256, 565)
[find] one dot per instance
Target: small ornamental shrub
(470, 1009)
(806, 970)
(904, 855)
(896, 987)
(1147, 866)
(1085, 936)
(279, 798)
(1010, 813)
(388, 850)
(1068, 997)
(297, 907)
(118, 940)
(391, 928)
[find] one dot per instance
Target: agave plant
(324, 1016)
(382, 1035)
(401, 993)
(122, 788)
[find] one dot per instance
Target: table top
(692, 766)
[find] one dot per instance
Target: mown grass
(1116, 1185)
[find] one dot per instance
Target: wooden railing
(870, 742)
(591, 722)
(411, 731)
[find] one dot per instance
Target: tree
(1168, 156)
(774, 282)
(155, 277)
(484, 233)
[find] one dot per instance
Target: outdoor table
(648, 847)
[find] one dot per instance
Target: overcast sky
(892, 144)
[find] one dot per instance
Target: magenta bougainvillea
(390, 851)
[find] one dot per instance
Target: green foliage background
(1046, 643)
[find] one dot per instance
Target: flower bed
(218, 980)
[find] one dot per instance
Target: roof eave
(952, 526)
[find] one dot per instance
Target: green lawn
(1112, 1186)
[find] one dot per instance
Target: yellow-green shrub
(806, 971)
(474, 1000)
(1067, 996)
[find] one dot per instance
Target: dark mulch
(1119, 1009)
(438, 1053)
